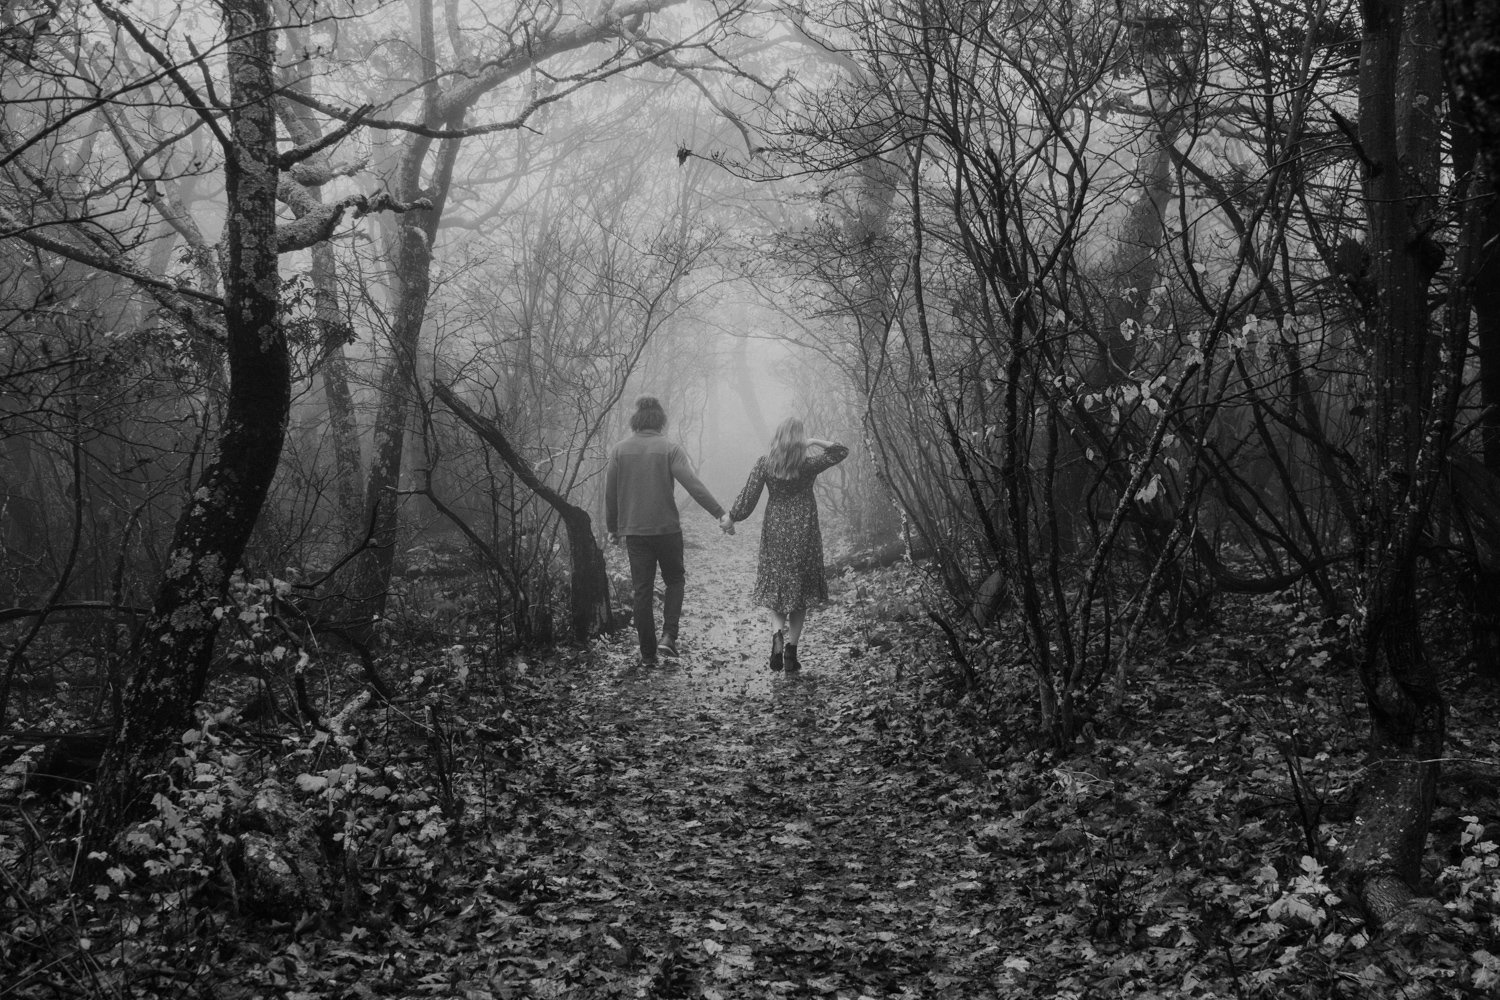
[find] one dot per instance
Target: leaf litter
(871, 829)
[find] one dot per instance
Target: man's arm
(682, 471)
(611, 502)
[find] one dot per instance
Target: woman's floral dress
(790, 572)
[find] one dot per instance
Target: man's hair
(648, 415)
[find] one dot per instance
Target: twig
(971, 678)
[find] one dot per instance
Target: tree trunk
(23, 520)
(444, 107)
(334, 332)
(1487, 330)
(397, 387)
(1398, 94)
(1408, 720)
(304, 195)
(177, 641)
(337, 396)
(588, 579)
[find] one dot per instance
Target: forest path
(714, 830)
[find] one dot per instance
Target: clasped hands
(726, 525)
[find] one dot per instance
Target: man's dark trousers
(647, 552)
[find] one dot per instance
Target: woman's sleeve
(832, 455)
(744, 505)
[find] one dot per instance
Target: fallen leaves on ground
(866, 830)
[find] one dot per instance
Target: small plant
(1294, 933)
(1306, 898)
(1473, 890)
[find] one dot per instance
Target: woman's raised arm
(833, 454)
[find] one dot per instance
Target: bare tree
(588, 274)
(234, 314)
(1046, 328)
(1138, 375)
(547, 55)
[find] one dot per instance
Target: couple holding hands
(639, 507)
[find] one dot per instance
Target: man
(639, 505)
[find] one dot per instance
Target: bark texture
(173, 654)
(1411, 388)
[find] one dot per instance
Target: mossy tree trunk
(177, 641)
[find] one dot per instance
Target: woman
(789, 577)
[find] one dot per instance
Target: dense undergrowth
(887, 825)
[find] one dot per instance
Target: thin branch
(61, 607)
(196, 102)
(297, 154)
(29, 233)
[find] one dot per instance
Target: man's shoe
(789, 659)
(776, 652)
(668, 647)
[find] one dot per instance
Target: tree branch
(319, 224)
(209, 115)
(460, 98)
(62, 607)
(29, 233)
(295, 155)
(492, 435)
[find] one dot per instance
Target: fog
(733, 428)
(545, 238)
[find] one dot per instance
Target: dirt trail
(710, 829)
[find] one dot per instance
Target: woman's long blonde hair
(788, 448)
